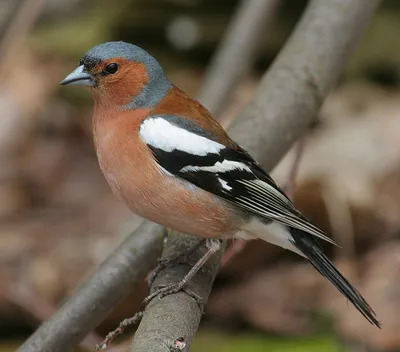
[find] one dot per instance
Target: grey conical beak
(79, 77)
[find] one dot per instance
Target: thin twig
(119, 330)
(237, 52)
(233, 250)
(294, 168)
(338, 208)
(25, 18)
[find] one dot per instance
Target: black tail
(310, 248)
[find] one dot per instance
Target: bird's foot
(178, 258)
(165, 290)
(213, 245)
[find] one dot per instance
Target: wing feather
(229, 172)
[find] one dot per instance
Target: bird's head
(122, 75)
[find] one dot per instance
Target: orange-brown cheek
(125, 85)
(123, 91)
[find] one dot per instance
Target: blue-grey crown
(127, 51)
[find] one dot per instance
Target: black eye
(112, 68)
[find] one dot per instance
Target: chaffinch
(172, 162)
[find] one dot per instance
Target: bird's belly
(185, 208)
(173, 202)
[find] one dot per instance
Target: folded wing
(184, 150)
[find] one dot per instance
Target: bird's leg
(233, 250)
(178, 258)
(213, 246)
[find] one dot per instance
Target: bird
(171, 162)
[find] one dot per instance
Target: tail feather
(310, 248)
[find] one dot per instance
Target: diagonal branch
(284, 106)
(25, 298)
(304, 72)
(110, 283)
(237, 52)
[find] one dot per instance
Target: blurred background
(58, 218)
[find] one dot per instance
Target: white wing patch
(226, 165)
(166, 136)
(224, 184)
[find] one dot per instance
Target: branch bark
(109, 284)
(178, 315)
(307, 68)
(284, 106)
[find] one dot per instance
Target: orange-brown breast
(134, 176)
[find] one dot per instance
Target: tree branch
(110, 283)
(285, 104)
(307, 68)
(24, 297)
(176, 315)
